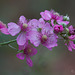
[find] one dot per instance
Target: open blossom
(34, 34)
(58, 28)
(54, 17)
(3, 28)
(21, 27)
(27, 53)
(42, 33)
(71, 30)
(58, 18)
(48, 37)
(72, 37)
(70, 45)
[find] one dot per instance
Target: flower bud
(39, 29)
(67, 30)
(63, 24)
(74, 41)
(66, 18)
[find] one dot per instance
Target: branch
(8, 42)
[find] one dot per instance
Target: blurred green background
(59, 61)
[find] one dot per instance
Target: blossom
(70, 45)
(58, 28)
(34, 34)
(21, 27)
(3, 28)
(72, 37)
(71, 42)
(71, 30)
(56, 17)
(48, 37)
(27, 52)
(42, 33)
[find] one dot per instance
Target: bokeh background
(59, 61)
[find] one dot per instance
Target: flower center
(29, 50)
(39, 29)
(57, 14)
(44, 37)
(25, 25)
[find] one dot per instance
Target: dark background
(59, 61)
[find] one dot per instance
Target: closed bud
(74, 41)
(66, 18)
(63, 24)
(67, 30)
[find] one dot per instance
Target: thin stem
(8, 42)
(13, 47)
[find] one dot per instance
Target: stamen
(44, 37)
(29, 50)
(39, 29)
(25, 25)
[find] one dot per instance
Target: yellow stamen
(56, 14)
(44, 37)
(29, 50)
(25, 25)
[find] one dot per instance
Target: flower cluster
(43, 31)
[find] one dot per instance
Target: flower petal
(2, 25)
(60, 22)
(22, 47)
(21, 39)
(41, 20)
(69, 47)
(20, 56)
(22, 19)
(13, 28)
(33, 50)
(52, 22)
(46, 15)
(34, 38)
(4, 31)
(29, 61)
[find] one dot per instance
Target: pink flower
(46, 15)
(70, 45)
(58, 28)
(34, 34)
(42, 33)
(54, 17)
(28, 52)
(72, 37)
(71, 30)
(58, 18)
(21, 27)
(3, 28)
(48, 37)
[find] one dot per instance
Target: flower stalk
(8, 42)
